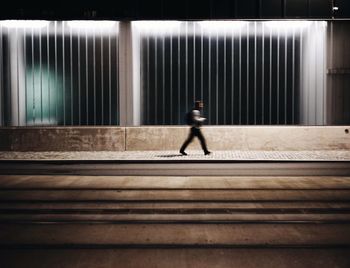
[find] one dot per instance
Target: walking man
(195, 120)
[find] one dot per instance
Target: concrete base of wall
(241, 138)
(62, 139)
(285, 138)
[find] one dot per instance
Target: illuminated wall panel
(89, 73)
(247, 73)
(59, 73)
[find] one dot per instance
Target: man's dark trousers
(195, 132)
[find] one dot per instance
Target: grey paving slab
(181, 195)
(177, 258)
(326, 155)
(188, 168)
(172, 182)
(180, 218)
(175, 234)
(108, 206)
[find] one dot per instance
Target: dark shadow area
(169, 155)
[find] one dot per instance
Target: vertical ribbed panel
(247, 73)
(338, 75)
(2, 103)
(59, 73)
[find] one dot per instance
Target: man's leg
(187, 142)
(202, 141)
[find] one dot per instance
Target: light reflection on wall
(44, 96)
(246, 72)
(60, 73)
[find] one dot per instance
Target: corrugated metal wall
(59, 73)
(338, 73)
(247, 73)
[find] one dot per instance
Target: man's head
(198, 105)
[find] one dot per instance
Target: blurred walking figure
(195, 120)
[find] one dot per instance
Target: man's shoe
(207, 153)
(183, 153)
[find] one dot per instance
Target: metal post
(1, 81)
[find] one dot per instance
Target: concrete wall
(241, 138)
(62, 139)
(172, 137)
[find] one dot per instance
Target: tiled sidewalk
(342, 155)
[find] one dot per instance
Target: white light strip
(287, 24)
(24, 23)
(217, 25)
(91, 24)
(157, 25)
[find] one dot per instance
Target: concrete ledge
(62, 139)
(162, 138)
(284, 138)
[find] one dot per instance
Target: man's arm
(196, 117)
